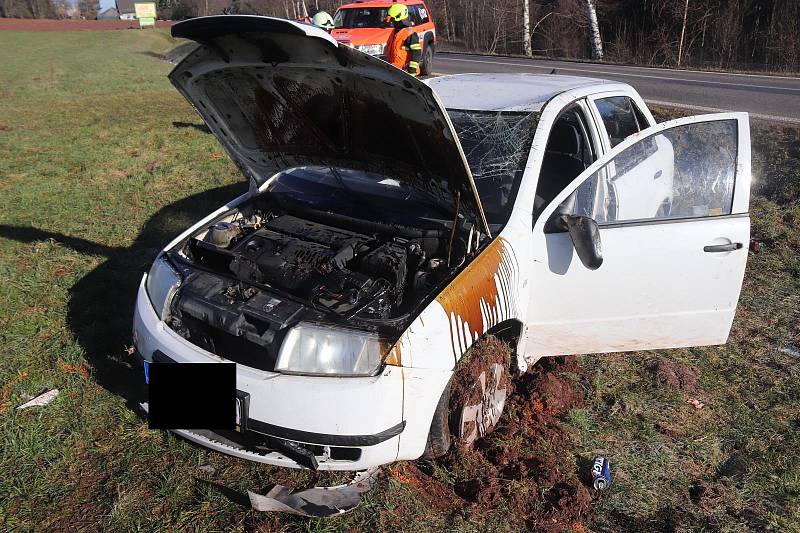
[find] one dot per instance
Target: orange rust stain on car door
(472, 301)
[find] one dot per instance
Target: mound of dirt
(435, 494)
(527, 462)
(675, 375)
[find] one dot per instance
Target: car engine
(252, 275)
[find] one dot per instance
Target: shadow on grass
(202, 128)
(150, 53)
(100, 307)
(233, 496)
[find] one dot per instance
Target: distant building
(108, 14)
(126, 9)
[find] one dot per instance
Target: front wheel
(481, 405)
(473, 402)
(426, 67)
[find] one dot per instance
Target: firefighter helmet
(398, 12)
(322, 20)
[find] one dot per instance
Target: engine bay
(259, 270)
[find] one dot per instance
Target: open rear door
(671, 206)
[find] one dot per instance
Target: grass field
(102, 162)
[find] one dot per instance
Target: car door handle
(723, 247)
(658, 175)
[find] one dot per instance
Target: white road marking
(606, 72)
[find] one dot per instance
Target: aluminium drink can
(601, 473)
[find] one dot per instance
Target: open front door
(671, 206)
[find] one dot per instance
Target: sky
(105, 4)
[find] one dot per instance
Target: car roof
(507, 92)
(380, 3)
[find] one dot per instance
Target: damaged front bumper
(349, 423)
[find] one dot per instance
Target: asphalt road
(765, 97)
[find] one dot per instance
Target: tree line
(759, 34)
(48, 9)
(726, 34)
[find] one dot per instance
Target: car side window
(569, 151)
(683, 172)
(620, 117)
(412, 15)
(423, 14)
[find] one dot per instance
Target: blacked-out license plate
(193, 396)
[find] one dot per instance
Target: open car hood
(280, 94)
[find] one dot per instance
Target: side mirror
(585, 235)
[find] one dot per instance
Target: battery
(601, 473)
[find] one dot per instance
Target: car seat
(562, 163)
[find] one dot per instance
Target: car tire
(473, 402)
(478, 392)
(426, 67)
(439, 434)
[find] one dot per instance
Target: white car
(392, 223)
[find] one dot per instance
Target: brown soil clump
(675, 375)
(433, 492)
(527, 463)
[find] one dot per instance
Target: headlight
(316, 350)
(371, 49)
(162, 282)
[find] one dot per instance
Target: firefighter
(323, 20)
(403, 49)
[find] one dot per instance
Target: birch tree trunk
(683, 32)
(526, 27)
(594, 31)
(446, 22)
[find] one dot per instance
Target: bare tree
(594, 31)
(88, 8)
(683, 32)
(526, 27)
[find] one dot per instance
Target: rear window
(620, 118)
(366, 17)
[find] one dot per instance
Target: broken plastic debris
(790, 350)
(697, 403)
(317, 501)
(42, 399)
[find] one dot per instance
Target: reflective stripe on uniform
(413, 64)
(416, 46)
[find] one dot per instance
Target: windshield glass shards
(496, 145)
